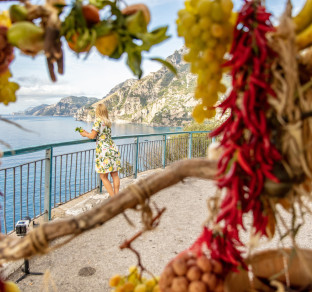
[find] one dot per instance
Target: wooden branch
(38, 240)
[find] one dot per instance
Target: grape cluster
(189, 273)
(133, 282)
(207, 27)
(7, 88)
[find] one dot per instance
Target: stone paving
(87, 263)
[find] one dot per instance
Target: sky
(97, 75)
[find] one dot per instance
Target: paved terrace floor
(99, 248)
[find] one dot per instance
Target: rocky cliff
(159, 99)
(67, 106)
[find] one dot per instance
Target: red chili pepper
(262, 46)
(243, 163)
(226, 211)
(258, 82)
(219, 130)
(229, 101)
(270, 176)
(263, 128)
(228, 177)
(256, 66)
(266, 144)
(234, 128)
(222, 166)
(239, 80)
(239, 42)
(227, 199)
(275, 154)
(240, 62)
(264, 28)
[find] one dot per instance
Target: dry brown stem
(291, 102)
(50, 21)
(154, 221)
(38, 240)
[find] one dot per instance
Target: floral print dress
(107, 156)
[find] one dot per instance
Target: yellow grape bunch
(7, 88)
(133, 282)
(207, 27)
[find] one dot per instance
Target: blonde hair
(101, 112)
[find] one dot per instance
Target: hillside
(159, 99)
(67, 106)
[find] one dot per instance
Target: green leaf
(152, 38)
(136, 23)
(84, 39)
(166, 64)
(103, 28)
(100, 4)
(134, 62)
(118, 52)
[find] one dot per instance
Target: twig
(127, 243)
(39, 239)
(140, 265)
(5, 144)
(16, 124)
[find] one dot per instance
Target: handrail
(20, 151)
(48, 176)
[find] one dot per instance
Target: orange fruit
(72, 43)
(91, 14)
(132, 9)
(107, 44)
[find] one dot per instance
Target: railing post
(190, 146)
(136, 158)
(99, 183)
(48, 185)
(164, 151)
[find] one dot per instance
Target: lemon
(11, 287)
(107, 44)
(140, 288)
(114, 281)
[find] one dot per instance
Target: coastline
(90, 120)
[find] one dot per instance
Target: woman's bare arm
(91, 135)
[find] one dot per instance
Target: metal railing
(33, 188)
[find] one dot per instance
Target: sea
(18, 182)
(30, 131)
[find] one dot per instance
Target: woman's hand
(91, 135)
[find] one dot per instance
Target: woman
(107, 156)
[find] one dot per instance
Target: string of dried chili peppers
(249, 154)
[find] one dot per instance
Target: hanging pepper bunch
(249, 154)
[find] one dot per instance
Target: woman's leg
(107, 184)
(116, 181)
